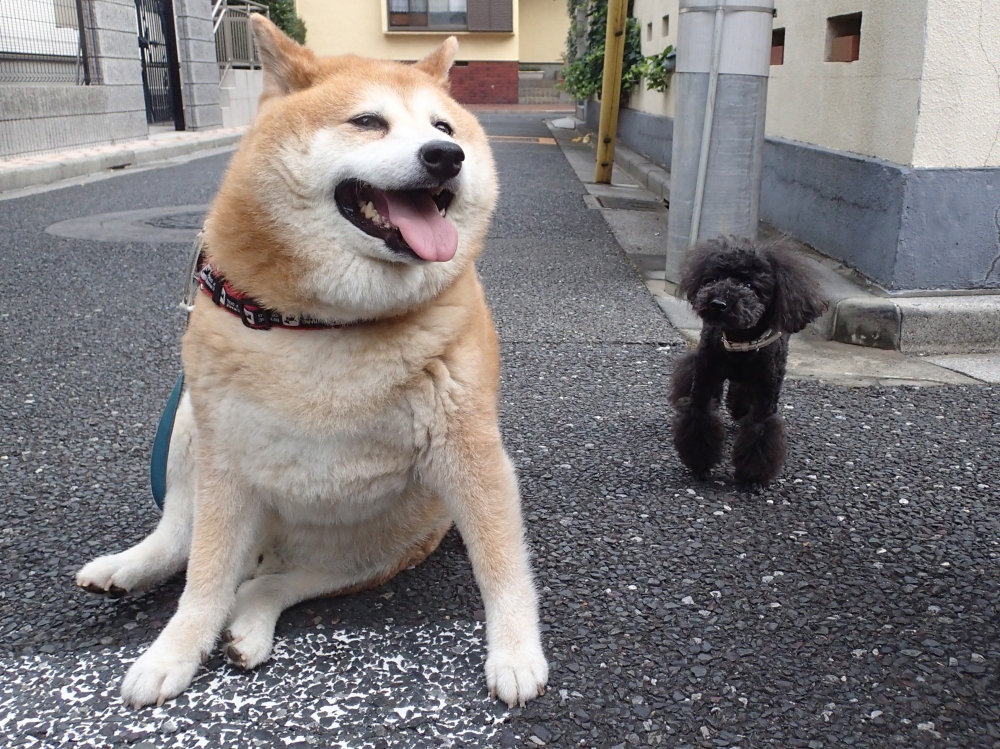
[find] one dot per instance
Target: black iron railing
(160, 70)
(234, 44)
(46, 41)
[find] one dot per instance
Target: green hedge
(584, 73)
(285, 18)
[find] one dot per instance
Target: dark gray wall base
(903, 228)
(649, 135)
(35, 119)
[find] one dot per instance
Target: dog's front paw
(109, 575)
(517, 675)
(699, 436)
(160, 674)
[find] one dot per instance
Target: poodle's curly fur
(742, 289)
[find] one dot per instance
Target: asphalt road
(851, 605)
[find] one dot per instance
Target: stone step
(544, 83)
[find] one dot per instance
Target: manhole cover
(629, 204)
(192, 220)
(170, 224)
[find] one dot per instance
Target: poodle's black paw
(739, 399)
(699, 436)
(759, 450)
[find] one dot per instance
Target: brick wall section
(483, 82)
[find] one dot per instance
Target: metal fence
(234, 44)
(46, 41)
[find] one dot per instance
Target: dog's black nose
(718, 305)
(442, 158)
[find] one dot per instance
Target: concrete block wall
(485, 82)
(199, 68)
(51, 117)
(239, 93)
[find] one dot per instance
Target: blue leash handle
(161, 444)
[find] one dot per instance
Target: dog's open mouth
(410, 222)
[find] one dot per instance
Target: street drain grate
(191, 220)
(629, 204)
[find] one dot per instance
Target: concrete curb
(72, 164)
(652, 177)
(861, 313)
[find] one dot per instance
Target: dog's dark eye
(369, 122)
(707, 281)
(748, 285)
(444, 127)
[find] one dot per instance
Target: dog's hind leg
(260, 600)
(164, 552)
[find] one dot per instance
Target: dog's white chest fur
(344, 444)
(344, 473)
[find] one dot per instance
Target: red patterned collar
(253, 315)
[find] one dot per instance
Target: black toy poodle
(751, 297)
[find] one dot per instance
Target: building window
(778, 47)
(428, 14)
(649, 32)
(451, 15)
(843, 38)
(666, 27)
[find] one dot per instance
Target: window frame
(421, 28)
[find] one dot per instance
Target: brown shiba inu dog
(321, 461)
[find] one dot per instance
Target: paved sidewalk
(44, 169)
(860, 313)
(852, 604)
(555, 108)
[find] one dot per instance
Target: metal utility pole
(611, 89)
(723, 61)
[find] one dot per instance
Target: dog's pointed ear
(797, 297)
(288, 66)
(439, 62)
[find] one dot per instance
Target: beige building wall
(651, 15)
(959, 120)
(868, 106)
(925, 91)
(338, 27)
(542, 30)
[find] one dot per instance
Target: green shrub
(656, 70)
(584, 73)
(284, 16)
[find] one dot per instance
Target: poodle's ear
(797, 297)
(695, 267)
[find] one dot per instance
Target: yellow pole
(611, 88)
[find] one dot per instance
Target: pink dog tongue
(430, 235)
